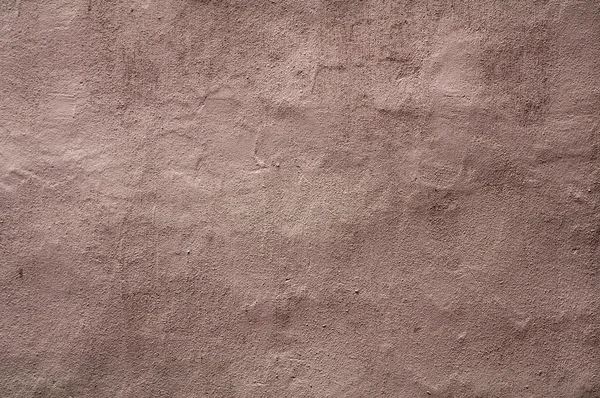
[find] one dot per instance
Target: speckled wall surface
(321, 198)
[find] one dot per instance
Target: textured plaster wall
(320, 198)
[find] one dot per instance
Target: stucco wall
(320, 198)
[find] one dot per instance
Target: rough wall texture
(320, 198)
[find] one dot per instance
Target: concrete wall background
(316, 198)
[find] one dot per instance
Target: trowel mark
(62, 101)
(63, 105)
(137, 4)
(11, 179)
(16, 176)
(60, 16)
